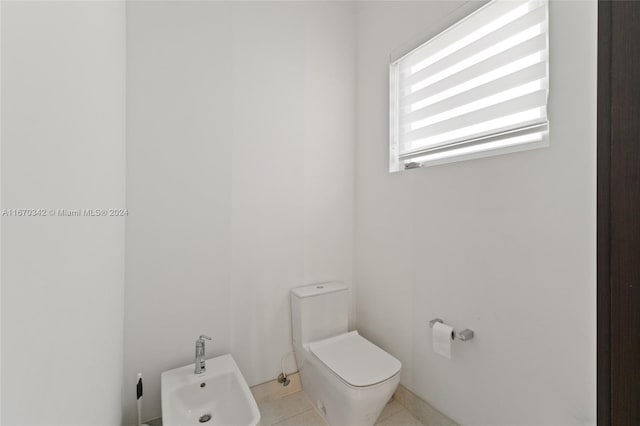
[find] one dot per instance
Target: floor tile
(273, 390)
(308, 418)
(155, 422)
(389, 410)
(401, 418)
(296, 410)
(272, 412)
(420, 409)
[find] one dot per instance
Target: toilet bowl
(348, 378)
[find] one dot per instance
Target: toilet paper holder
(463, 335)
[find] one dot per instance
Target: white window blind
(478, 88)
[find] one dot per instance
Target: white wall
(240, 179)
(503, 245)
(63, 133)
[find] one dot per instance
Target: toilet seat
(355, 360)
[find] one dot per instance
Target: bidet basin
(218, 397)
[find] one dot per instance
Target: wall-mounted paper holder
(463, 336)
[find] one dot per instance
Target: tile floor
(296, 410)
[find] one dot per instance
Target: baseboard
(273, 390)
(420, 409)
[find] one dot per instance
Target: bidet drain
(204, 418)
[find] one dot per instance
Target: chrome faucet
(200, 367)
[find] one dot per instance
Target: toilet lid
(355, 359)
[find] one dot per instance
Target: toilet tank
(319, 311)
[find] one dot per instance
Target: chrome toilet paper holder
(463, 335)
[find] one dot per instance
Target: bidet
(217, 396)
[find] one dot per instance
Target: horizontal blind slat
(496, 42)
(494, 112)
(524, 76)
(521, 56)
(444, 42)
(498, 128)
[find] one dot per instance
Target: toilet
(347, 378)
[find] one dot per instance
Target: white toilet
(348, 378)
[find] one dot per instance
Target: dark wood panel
(624, 211)
(604, 169)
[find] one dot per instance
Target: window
(478, 88)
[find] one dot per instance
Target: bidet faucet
(200, 367)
